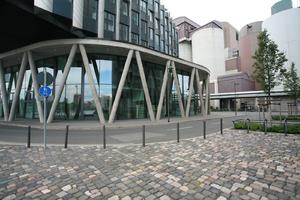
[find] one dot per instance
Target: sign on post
(45, 91)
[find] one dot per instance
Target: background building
(284, 30)
(110, 60)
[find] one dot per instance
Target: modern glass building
(281, 6)
(110, 60)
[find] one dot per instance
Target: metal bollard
(266, 126)
(104, 137)
(67, 136)
(29, 137)
(204, 129)
(248, 125)
(144, 136)
(178, 132)
(221, 126)
(285, 127)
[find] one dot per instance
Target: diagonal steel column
(18, 87)
(35, 85)
(3, 92)
(144, 83)
(207, 95)
(120, 87)
(199, 91)
(62, 83)
(91, 83)
(178, 89)
(191, 89)
(163, 91)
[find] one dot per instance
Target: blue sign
(45, 91)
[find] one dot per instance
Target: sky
(237, 12)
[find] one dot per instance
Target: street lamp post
(235, 101)
(168, 91)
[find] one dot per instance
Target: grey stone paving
(234, 166)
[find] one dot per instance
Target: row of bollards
(143, 134)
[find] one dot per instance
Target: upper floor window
(156, 23)
(161, 14)
(135, 18)
(151, 34)
(144, 6)
(125, 8)
(135, 38)
(144, 26)
(156, 7)
(124, 32)
(109, 21)
(151, 16)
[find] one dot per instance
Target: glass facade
(77, 101)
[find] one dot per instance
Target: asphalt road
(157, 133)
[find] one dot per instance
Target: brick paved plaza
(234, 166)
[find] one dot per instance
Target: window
(134, 38)
(156, 24)
(144, 28)
(125, 8)
(156, 42)
(166, 22)
(109, 22)
(151, 16)
(161, 14)
(144, 6)
(162, 45)
(144, 43)
(136, 2)
(151, 34)
(156, 7)
(124, 32)
(135, 18)
(162, 30)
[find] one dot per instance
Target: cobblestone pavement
(234, 166)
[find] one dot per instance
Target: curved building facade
(208, 50)
(284, 30)
(106, 78)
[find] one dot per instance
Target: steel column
(35, 85)
(200, 91)
(3, 92)
(91, 83)
(163, 91)
(62, 83)
(191, 89)
(178, 89)
(120, 87)
(18, 87)
(101, 5)
(118, 14)
(144, 84)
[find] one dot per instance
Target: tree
(291, 84)
(268, 65)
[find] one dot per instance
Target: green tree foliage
(268, 64)
(291, 83)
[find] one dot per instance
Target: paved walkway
(234, 166)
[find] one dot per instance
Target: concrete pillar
(191, 89)
(101, 6)
(92, 83)
(3, 92)
(120, 87)
(62, 83)
(144, 84)
(178, 89)
(163, 91)
(18, 87)
(200, 91)
(118, 14)
(35, 86)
